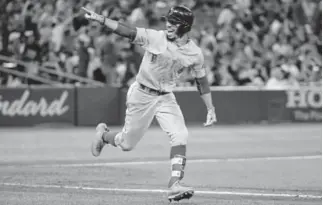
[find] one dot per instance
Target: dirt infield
(245, 164)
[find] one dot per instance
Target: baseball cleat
(178, 192)
(98, 143)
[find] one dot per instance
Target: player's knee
(123, 143)
(126, 147)
(179, 138)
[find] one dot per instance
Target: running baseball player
(167, 53)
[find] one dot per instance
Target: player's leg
(139, 115)
(171, 120)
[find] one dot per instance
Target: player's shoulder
(195, 49)
(153, 40)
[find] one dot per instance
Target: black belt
(152, 91)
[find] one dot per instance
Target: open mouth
(170, 31)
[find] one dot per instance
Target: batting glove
(211, 117)
(91, 15)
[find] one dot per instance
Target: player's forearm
(205, 92)
(113, 25)
(207, 99)
(120, 28)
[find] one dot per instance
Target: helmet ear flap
(182, 29)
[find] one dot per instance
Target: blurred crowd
(274, 44)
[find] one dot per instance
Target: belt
(152, 91)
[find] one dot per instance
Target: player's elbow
(203, 85)
(126, 31)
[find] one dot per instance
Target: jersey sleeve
(197, 69)
(150, 39)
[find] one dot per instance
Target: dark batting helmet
(181, 15)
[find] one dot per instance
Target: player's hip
(159, 84)
(140, 93)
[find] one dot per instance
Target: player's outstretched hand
(210, 118)
(91, 15)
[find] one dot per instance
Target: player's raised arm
(115, 26)
(149, 39)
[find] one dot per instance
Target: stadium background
(257, 49)
(262, 43)
(61, 75)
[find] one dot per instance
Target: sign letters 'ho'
(311, 98)
(305, 104)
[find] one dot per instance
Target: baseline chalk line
(223, 193)
(190, 161)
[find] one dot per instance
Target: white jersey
(164, 61)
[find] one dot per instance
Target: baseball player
(167, 53)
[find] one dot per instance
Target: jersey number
(179, 71)
(153, 58)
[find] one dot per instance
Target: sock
(108, 137)
(178, 161)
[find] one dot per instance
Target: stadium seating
(264, 43)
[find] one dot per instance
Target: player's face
(171, 30)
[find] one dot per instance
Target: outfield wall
(86, 106)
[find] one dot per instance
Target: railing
(30, 76)
(49, 71)
(90, 82)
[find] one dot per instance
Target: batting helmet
(181, 15)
